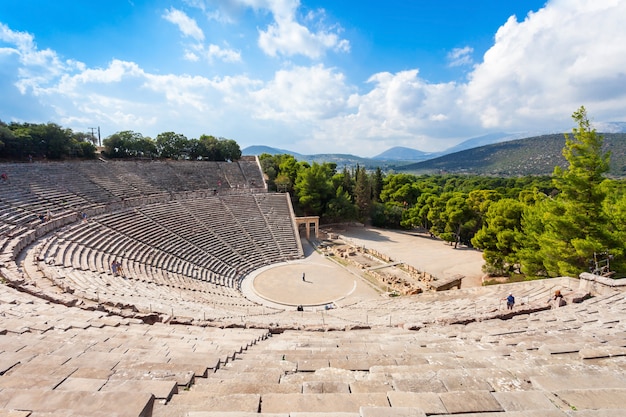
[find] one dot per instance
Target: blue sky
(314, 76)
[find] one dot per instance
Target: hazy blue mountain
(529, 156)
(400, 153)
(610, 127)
(492, 154)
(342, 160)
(260, 149)
(484, 140)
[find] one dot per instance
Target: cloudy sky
(314, 76)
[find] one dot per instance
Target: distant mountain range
(261, 149)
(390, 159)
(399, 153)
(530, 156)
(492, 154)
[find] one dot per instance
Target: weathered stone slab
(470, 402)
(408, 369)
(45, 363)
(8, 360)
(16, 326)
(26, 381)
(94, 373)
(159, 371)
(523, 400)
(324, 374)
(595, 413)
(559, 349)
(320, 403)
(418, 384)
(307, 414)
(248, 403)
(500, 379)
(391, 412)
(360, 363)
(594, 399)
(311, 365)
(325, 387)
(527, 413)
(429, 402)
(95, 360)
(550, 383)
(225, 387)
(412, 359)
(454, 381)
(233, 414)
(254, 365)
(81, 384)
(14, 413)
(272, 375)
(162, 390)
(363, 387)
(116, 403)
(601, 352)
(203, 361)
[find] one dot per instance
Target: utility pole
(93, 136)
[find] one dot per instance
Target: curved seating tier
(195, 228)
(57, 187)
(563, 363)
(56, 360)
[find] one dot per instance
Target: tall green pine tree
(575, 224)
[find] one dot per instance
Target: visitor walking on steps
(510, 302)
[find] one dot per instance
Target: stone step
(231, 402)
(208, 388)
(321, 403)
(608, 399)
(118, 404)
(447, 402)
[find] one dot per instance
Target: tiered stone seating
(232, 173)
(532, 366)
(280, 219)
(69, 361)
(183, 252)
(250, 167)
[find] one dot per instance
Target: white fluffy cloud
(193, 52)
(460, 56)
(287, 34)
(290, 38)
(185, 24)
(223, 54)
(400, 109)
(540, 70)
(302, 95)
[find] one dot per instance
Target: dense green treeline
(27, 140)
(538, 226)
(129, 144)
(21, 141)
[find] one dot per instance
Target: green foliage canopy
(20, 141)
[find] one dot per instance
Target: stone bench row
(200, 304)
(407, 373)
(109, 370)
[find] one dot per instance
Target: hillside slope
(530, 156)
